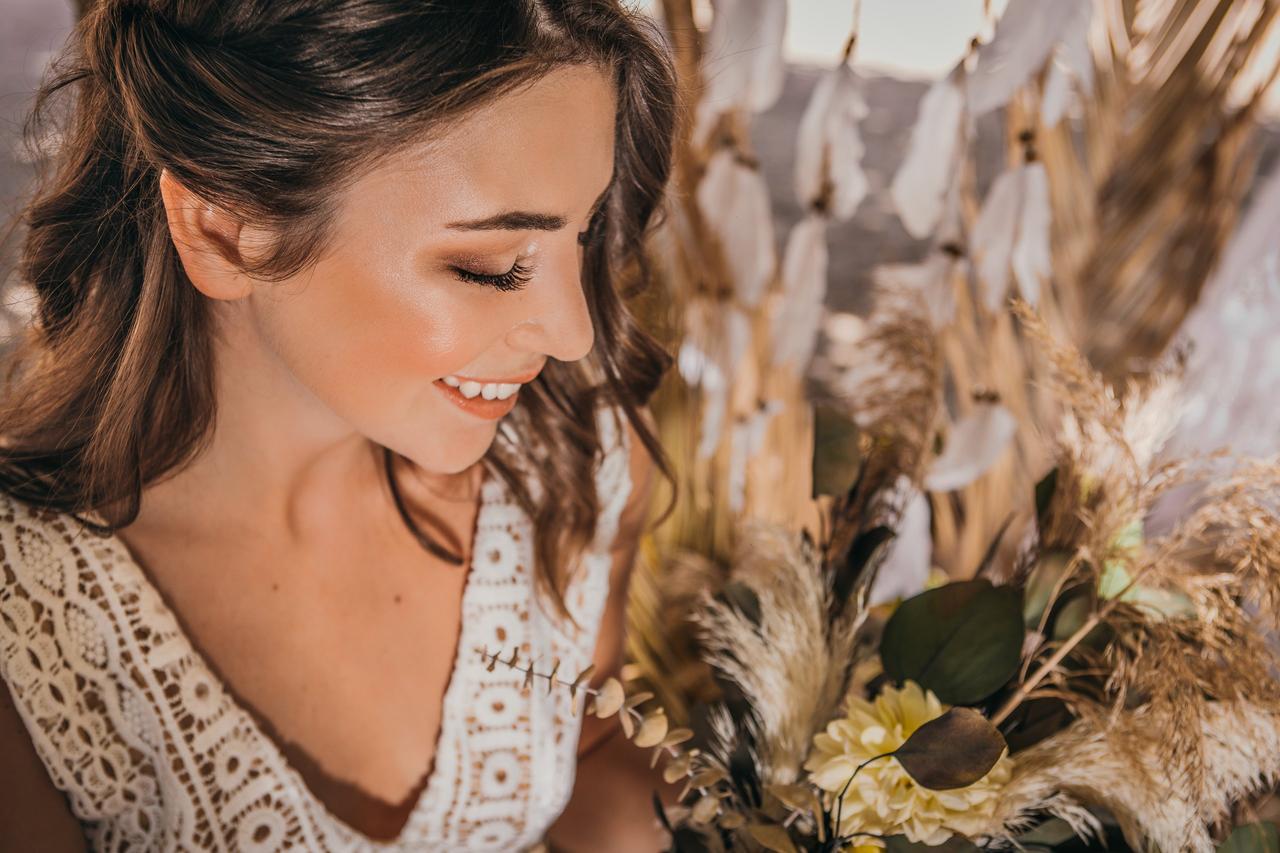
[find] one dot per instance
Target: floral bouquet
(1101, 685)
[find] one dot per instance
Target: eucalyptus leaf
(1071, 613)
(963, 641)
(652, 730)
(952, 751)
(954, 844)
(772, 837)
(1116, 582)
(1260, 837)
(610, 698)
(1041, 583)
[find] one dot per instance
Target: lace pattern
(155, 755)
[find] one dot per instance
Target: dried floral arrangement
(1107, 683)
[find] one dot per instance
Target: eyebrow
(522, 220)
(512, 220)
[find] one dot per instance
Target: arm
(611, 805)
(34, 815)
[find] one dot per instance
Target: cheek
(364, 340)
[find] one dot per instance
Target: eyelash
(513, 279)
(518, 276)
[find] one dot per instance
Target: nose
(556, 317)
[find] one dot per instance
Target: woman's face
(411, 289)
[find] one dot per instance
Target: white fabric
(155, 755)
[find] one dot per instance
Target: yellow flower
(882, 798)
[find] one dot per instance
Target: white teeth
(489, 390)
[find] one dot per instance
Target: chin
(454, 459)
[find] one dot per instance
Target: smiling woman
(316, 278)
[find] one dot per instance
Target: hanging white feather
(1012, 232)
(1232, 375)
(919, 187)
(742, 65)
(1057, 94)
(747, 440)
(976, 442)
(907, 562)
(734, 200)
(994, 232)
(1032, 260)
(829, 131)
(730, 336)
(1072, 61)
(1076, 53)
(804, 290)
(1025, 36)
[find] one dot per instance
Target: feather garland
(1012, 234)
(829, 146)
(734, 200)
(742, 65)
(804, 291)
(920, 185)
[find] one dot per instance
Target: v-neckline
(488, 496)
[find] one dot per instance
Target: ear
(208, 240)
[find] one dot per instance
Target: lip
(489, 410)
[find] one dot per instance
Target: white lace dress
(154, 754)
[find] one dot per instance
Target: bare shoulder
(34, 815)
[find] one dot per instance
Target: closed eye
(513, 279)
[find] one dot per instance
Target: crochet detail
(154, 754)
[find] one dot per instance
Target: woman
(331, 389)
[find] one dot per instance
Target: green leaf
(772, 837)
(963, 641)
(1073, 611)
(1165, 603)
(952, 751)
(1259, 837)
(1041, 583)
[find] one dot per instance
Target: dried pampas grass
(784, 653)
(1156, 809)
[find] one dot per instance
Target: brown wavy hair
(265, 108)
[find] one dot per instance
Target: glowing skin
(315, 368)
(279, 545)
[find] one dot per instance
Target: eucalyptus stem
(852, 776)
(1012, 703)
(1048, 666)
